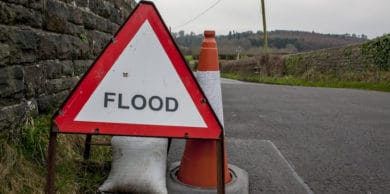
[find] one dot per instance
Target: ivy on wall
(378, 51)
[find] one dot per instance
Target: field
(360, 66)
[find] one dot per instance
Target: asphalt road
(337, 140)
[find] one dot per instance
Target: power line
(197, 16)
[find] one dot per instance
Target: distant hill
(312, 41)
(279, 41)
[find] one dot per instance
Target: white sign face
(142, 87)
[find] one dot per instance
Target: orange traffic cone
(199, 163)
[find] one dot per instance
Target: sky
(369, 17)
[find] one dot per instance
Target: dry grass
(18, 174)
(23, 163)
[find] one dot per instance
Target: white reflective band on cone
(210, 82)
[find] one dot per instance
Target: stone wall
(255, 66)
(45, 46)
(330, 61)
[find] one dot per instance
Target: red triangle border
(64, 118)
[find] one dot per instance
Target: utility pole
(265, 35)
(265, 40)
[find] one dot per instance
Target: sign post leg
(220, 165)
(51, 163)
(87, 146)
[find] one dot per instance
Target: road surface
(337, 140)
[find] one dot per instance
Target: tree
(181, 33)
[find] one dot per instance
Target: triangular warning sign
(139, 86)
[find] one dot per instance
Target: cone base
(239, 183)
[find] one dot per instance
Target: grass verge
(379, 86)
(23, 161)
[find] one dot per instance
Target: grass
(191, 62)
(324, 82)
(189, 57)
(23, 163)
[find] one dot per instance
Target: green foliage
(342, 67)
(23, 160)
(83, 37)
(293, 64)
(189, 57)
(347, 51)
(231, 76)
(34, 138)
(191, 62)
(378, 50)
(23, 157)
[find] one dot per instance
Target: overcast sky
(369, 17)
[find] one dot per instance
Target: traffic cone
(198, 165)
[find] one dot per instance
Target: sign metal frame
(143, 11)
